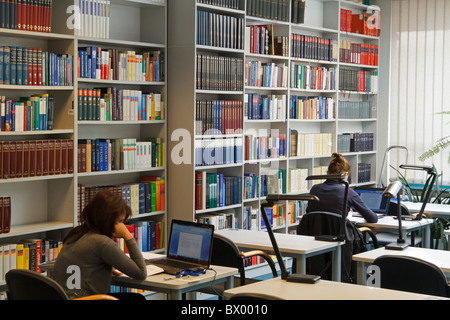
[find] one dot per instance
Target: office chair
(356, 240)
(413, 275)
(30, 285)
(226, 253)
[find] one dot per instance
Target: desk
(432, 210)
(176, 287)
(296, 246)
(440, 258)
(323, 290)
(389, 224)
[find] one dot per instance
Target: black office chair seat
(412, 275)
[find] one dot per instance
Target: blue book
(6, 65)
(144, 225)
(269, 212)
(142, 197)
(25, 66)
(13, 65)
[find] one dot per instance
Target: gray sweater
(95, 255)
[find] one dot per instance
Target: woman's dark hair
(100, 215)
(338, 164)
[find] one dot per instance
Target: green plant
(440, 145)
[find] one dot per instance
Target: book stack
(112, 104)
(142, 197)
(355, 142)
(210, 28)
(220, 221)
(309, 77)
(302, 107)
(364, 170)
(215, 190)
(34, 158)
(26, 15)
(249, 218)
(319, 170)
(268, 75)
(112, 64)
(297, 180)
(361, 23)
(358, 80)
(358, 53)
(276, 215)
(119, 154)
(251, 185)
(260, 39)
(149, 235)
(34, 67)
(94, 18)
(33, 113)
(355, 109)
(231, 4)
(219, 73)
(5, 214)
(268, 9)
(298, 11)
(296, 209)
(263, 107)
(314, 48)
(214, 117)
(312, 144)
(217, 151)
(27, 254)
(273, 182)
(265, 147)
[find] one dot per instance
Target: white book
(107, 14)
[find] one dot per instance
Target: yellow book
(26, 257)
(19, 256)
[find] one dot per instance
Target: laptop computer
(373, 198)
(190, 247)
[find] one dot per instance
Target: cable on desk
(212, 283)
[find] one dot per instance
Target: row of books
(310, 144)
(34, 67)
(265, 147)
(223, 220)
(219, 73)
(119, 154)
(250, 218)
(112, 104)
(149, 235)
(276, 216)
(146, 196)
(308, 77)
(231, 4)
(362, 23)
(269, 9)
(260, 39)
(215, 190)
(94, 18)
(251, 185)
(27, 15)
(33, 113)
(217, 151)
(313, 47)
(364, 170)
(34, 158)
(273, 182)
(214, 117)
(268, 75)
(112, 64)
(358, 53)
(27, 254)
(355, 142)
(355, 110)
(218, 30)
(298, 11)
(297, 180)
(358, 80)
(265, 107)
(5, 214)
(312, 107)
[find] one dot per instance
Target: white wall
(420, 81)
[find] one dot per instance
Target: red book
(39, 66)
(1, 215)
(45, 157)
(32, 150)
(6, 214)
(63, 156)
(12, 159)
(51, 157)
(57, 156)
(26, 159)
(34, 13)
(39, 158)
(30, 66)
(19, 14)
(70, 155)
(19, 159)
(35, 66)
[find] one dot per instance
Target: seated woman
(92, 249)
(331, 192)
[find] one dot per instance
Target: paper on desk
(152, 269)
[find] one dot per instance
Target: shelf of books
(83, 101)
(279, 86)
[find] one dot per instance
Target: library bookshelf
(264, 56)
(48, 206)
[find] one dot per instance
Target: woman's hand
(121, 231)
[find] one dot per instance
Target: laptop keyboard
(175, 264)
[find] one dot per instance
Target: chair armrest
(98, 297)
(366, 230)
(264, 255)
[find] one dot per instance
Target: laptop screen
(191, 242)
(373, 198)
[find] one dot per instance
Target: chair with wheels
(226, 253)
(412, 275)
(318, 223)
(30, 285)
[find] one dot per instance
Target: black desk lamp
(271, 198)
(395, 190)
(341, 234)
(432, 172)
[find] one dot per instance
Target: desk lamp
(341, 234)
(271, 198)
(395, 190)
(432, 172)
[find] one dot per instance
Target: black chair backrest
(411, 274)
(226, 253)
(30, 285)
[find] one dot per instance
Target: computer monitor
(373, 198)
